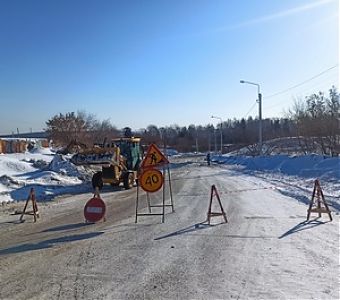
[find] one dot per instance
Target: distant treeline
(315, 120)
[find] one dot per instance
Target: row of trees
(317, 120)
(235, 133)
(80, 128)
(313, 120)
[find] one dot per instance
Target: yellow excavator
(119, 158)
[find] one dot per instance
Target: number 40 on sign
(151, 180)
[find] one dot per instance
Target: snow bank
(303, 166)
(292, 176)
(41, 150)
(11, 164)
(62, 165)
(49, 174)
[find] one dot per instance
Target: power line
(249, 110)
(299, 84)
(305, 91)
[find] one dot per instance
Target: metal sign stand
(35, 211)
(317, 206)
(163, 205)
(96, 193)
(215, 214)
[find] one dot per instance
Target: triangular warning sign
(154, 158)
(315, 205)
(215, 214)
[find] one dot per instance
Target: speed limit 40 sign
(151, 180)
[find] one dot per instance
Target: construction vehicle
(119, 159)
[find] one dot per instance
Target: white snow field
(49, 174)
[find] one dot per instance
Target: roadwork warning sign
(154, 158)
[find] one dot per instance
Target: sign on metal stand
(154, 158)
(152, 180)
(95, 208)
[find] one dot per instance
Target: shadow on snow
(48, 243)
(67, 227)
(303, 226)
(191, 228)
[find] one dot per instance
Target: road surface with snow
(265, 251)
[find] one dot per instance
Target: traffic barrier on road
(215, 214)
(316, 207)
(95, 208)
(152, 180)
(35, 212)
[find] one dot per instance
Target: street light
(196, 138)
(214, 117)
(259, 100)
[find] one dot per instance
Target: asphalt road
(260, 253)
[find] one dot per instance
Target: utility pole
(215, 139)
(221, 136)
(260, 120)
(221, 139)
(196, 140)
(259, 101)
(209, 143)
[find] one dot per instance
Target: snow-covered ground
(53, 175)
(49, 174)
(293, 176)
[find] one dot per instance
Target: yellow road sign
(151, 180)
(154, 158)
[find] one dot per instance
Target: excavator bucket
(97, 156)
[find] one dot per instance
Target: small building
(20, 143)
(12, 146)
(2, 146)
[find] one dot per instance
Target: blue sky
(161, 62)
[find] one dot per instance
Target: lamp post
(259, 101)
(214, 117)
(196, 139)
(215, 149)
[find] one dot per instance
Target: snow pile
(41, 150)
(49, 174)
(303, 166)
(293, 176)
(62, 165)
(11, 164)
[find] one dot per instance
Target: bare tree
(79, 128)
